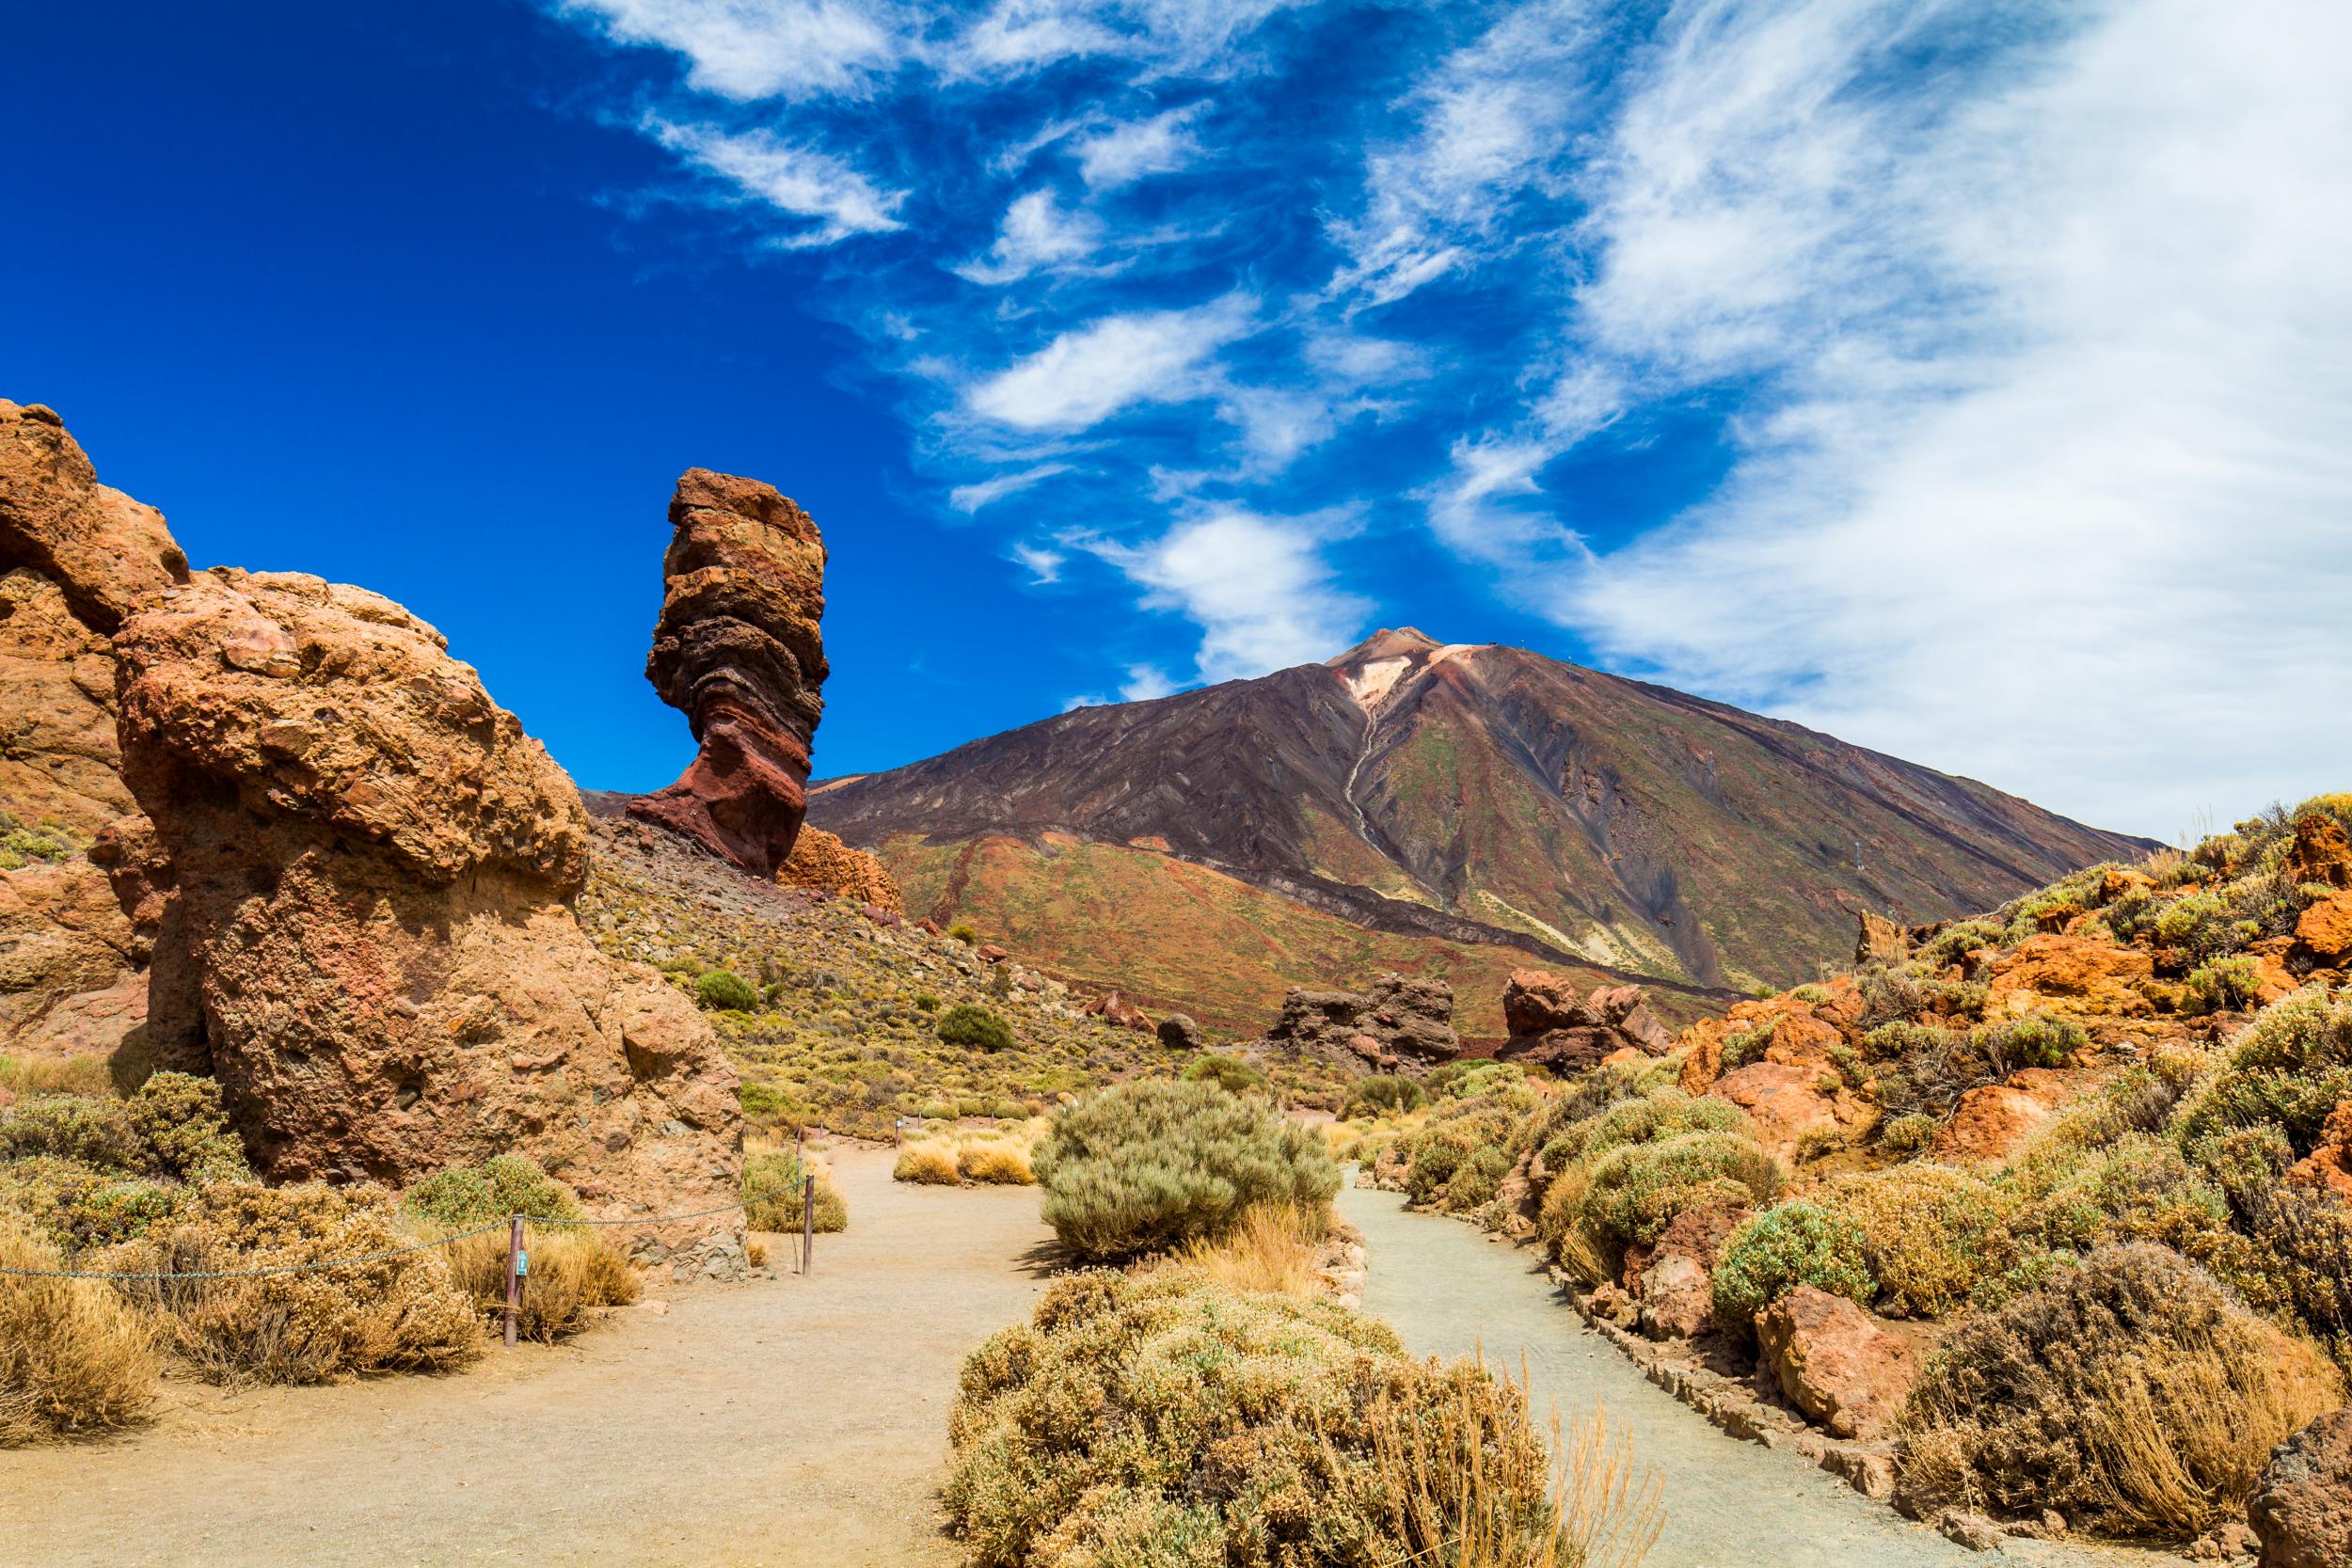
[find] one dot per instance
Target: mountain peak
(1399, 642)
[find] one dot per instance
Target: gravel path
(799, 1423)
(1450, 1291)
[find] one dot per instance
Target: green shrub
(465, 1197)
(773, 1191)
(1956, 941)
(1382, 1095)
(1748, 1045)
(2288, 1068)
(1797, 1243)
(2131, 1394)
(1143, 1167)
(1477, 1182)
(179, 1118)
(1230, 1073)
(967, 1024)
(725, 991)
(1906, 1136)
(74, 1206)
(926, 1002)
(1929, 1234)
(2201, 925)
(1172, 1421)
(90, 1131)
(1645, 1119)
(2225, 985)
(963, 933)
(2138, 1189)
(1636, 1190)
(2037, 1039)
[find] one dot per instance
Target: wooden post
(808, 1221)
(800, 1142)
(514, 1266)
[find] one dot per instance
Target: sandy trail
(784, 1422)
(1450, 1291)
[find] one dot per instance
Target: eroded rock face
(1550, 1026)
(1402, 1022)
(370, 938)
(737, 649)
(821, 860)
(74, 556)
(1834, 1361)
(1676, 1288)
(2303, 1513)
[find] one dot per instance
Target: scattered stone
(1972, 1531)
(1834, 1361)
(737, 649)
(1113, 1008)
(1178, 1032)
(1401, 1023)
(2303, 1511)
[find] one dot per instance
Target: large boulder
(1784, 1102)
(1878, 940)
(74, 557)
(739, 650)
(2082, 975)
(1402, 1022)
(821, 860)
(1835, 1362)
(370, 938)
(1551, 1025)
(2303, 1511)
(1675, 1288)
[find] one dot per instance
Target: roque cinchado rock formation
(737, 649)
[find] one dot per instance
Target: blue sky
(1969, 380)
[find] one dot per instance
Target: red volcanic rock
(1404, 1021)
(1834, 1362)
(1551, 1026)
(1113, 1008)
(737, 649)
(2303, 1513)
(819, 860)
(370, 938)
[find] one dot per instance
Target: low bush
(398, 1313)
(1230, 1073)
(969, 1024)
(725, 991)
(1276, 1249)
(184, 1131)
(1146, 1165)
(1382, 1095)
(1565, 1226)
(1905, 1136)
(996, 1163)
(74, 1359)
(75, 1206)
(928, 1164)
(1636, 1190)
(463, 1197)
(1798, 1243)
(572, 1273)
(2131, 1394)
(1645, 1119)
(90, 1131)
(1226, 1427)
(2036, 1040)
(2138, 1189)
(773, 1190)
(1929, 1234)
(2225, 985)
(2288, 1068)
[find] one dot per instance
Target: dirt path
(784, 1422)
(1450, 1291)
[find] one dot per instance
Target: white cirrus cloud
(1084, 375)
(2046, 480)
(986, 492)
(806, 183)
(753, 49)
(1259, 588)
(1035, 235)
(1122, 153)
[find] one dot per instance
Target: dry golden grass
(572, 1274)
(1456, 1495)
(72, 1358)
(86, 1075)
(996, 1163)
(1276, 1248)
(402, 1313)
(929, 1165)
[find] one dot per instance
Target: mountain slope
(1477, 797)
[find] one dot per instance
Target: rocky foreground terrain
(1456, 811)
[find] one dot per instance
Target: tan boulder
(1990, 1122)
(2322, 852)
(821, 860)
(370, 936)
(2323, 933)
(2074, 974)
(1114, 1008)
(2303, 1511)
(1878, 940)
(1835, 1362)
(1784, 1102)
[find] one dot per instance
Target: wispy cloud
(1086, 376)
(1123, 154)
(800, 181)
(1036, 235)
(1259, 588)
(745, 50)
(986, 492)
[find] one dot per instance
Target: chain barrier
(398, 1251)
